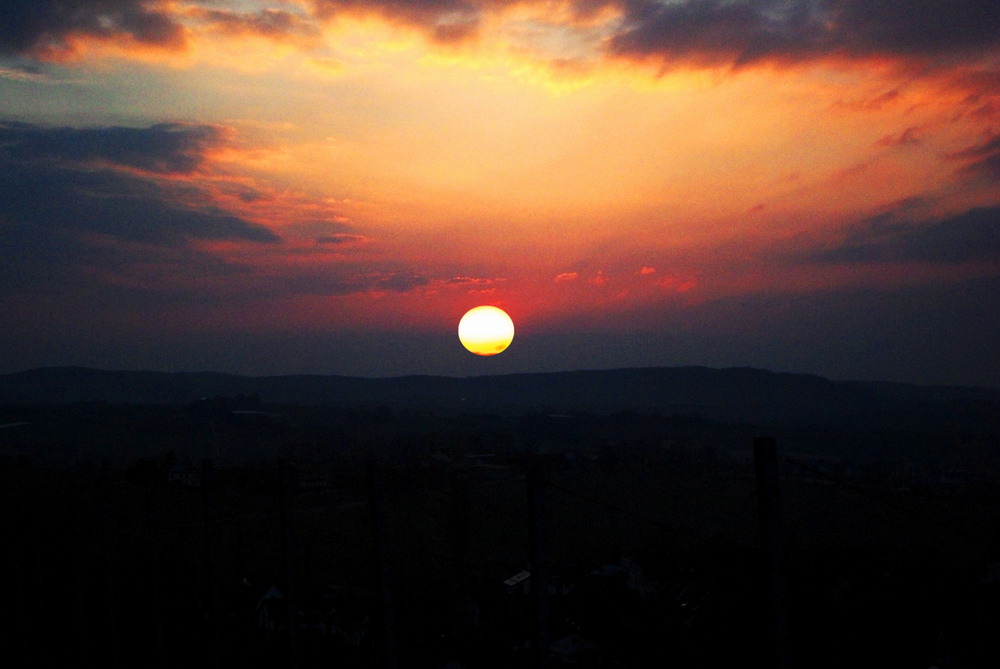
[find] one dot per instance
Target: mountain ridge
(734, 393)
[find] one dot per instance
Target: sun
(486, 330)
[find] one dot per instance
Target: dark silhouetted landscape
(156, 519)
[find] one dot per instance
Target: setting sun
(486, 330)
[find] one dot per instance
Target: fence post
(81, 612)
(765, 457)
(539, 575)
(288, 557)
(212, 590)
(154, 574)
(109, 574)
(381, 564)
(19, 616)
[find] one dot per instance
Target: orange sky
(581, 165)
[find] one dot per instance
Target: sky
(327, 186)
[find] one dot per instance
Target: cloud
(968, 237)
(600, 280)
(79, 180)
(162, 148)
(49, 29)
(444, 21)
(348, 278)
(909, 137)
(470, 281)
(128, 220)
(717, 32)
(23, 72)
(691, 32)
(397, 282)
(984, 158)
(341, 238)
(275, 24)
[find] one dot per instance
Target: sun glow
(486, 330)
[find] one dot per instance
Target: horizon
(504, 374)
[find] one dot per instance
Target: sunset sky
(327, 186)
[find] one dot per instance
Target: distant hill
(743, 394)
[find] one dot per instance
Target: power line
(651, 521)
(913, 513)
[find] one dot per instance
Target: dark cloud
(252, 284)
(163, 148)
(967, 237)
(400, 282)
(80, 224)
(110, 203)
(736, 32)
(728, 32)
(983, 158)
(48, 181)
(744, 32)
(47, 28)
(22, 71)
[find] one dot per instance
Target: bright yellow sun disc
(486, 330)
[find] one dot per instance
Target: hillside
(741, 394)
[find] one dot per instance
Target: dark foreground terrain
(163, 531)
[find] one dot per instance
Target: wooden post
(401, 621)
(211, 587)
(288, 557)
(109, 574)
(381, 566)
(39, 613)
(81, 611)
(154, 575)
(18, 616)
(539, 575)
(772, 543)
